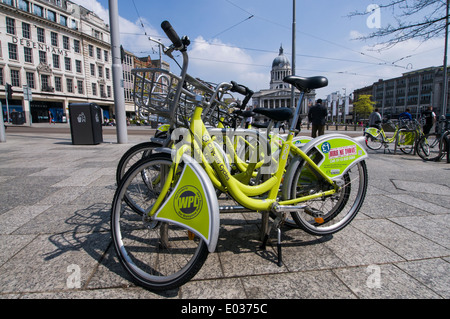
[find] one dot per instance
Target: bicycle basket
(389, 126)
(155, 90)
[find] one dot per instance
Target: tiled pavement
(54, 223)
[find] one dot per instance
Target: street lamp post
(119, 99)
(293, 55)
(445, 84)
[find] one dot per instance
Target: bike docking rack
(407, 137)
(169, 199)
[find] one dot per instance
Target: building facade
(131, 61)
(415, 90)
(58, 49)
(279, 93)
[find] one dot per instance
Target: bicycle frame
(376, 132)
(224, 180)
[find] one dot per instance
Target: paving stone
(432, 273)
(55, 202)
(383, 282)
(402, 241)
(299, 285)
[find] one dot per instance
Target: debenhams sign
(40, 46)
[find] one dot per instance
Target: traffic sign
(27, 95)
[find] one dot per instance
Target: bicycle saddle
(244, 113)
(306, 84)
(261, 125)
(279, 114)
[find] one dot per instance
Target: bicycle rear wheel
(429, 147)
(336, 211)
(374, 142)
(158, 255)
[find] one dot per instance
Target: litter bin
(18, 118)
(85, 123)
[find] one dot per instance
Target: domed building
(281, 67)
(279, 92)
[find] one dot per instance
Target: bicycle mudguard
(372, 131)
(300, 141)
(339, 153)
(193, 203)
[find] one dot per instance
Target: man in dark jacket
(317, 116)
(430, 119)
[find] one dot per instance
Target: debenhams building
(58, 49)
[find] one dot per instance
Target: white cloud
(380, 64)
(96, 7)
(132, 34)
(217, 62)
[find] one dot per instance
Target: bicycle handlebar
(241, 89)
(238, 88)
(171, 34)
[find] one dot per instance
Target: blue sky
(238, 39)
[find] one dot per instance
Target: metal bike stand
(406, 131)
(264, 225)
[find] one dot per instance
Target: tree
(364, 106)
(415, 19)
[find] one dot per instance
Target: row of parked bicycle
(165, 215)
(408, 137)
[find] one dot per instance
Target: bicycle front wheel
(328, 215)
(429, 147)
(134, 154)
(158, 255)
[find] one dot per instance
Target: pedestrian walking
(430, 119)
(282, 127)
(248, 120)
(317, 116)
(50, 117)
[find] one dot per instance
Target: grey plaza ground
(55, 241)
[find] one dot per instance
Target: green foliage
(364, 106)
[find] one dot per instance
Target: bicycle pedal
(316, 214)
(313, 212)
(319, 220)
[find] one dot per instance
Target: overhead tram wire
(316, 37)
(261, 50)
(268, 51)
(149, 37)
(233, 26)
(276, 52)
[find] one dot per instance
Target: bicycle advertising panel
(193, 204)
(339, 153)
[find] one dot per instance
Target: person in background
(430, 119)
(375, 119)
(317, 116)
(405, 116)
